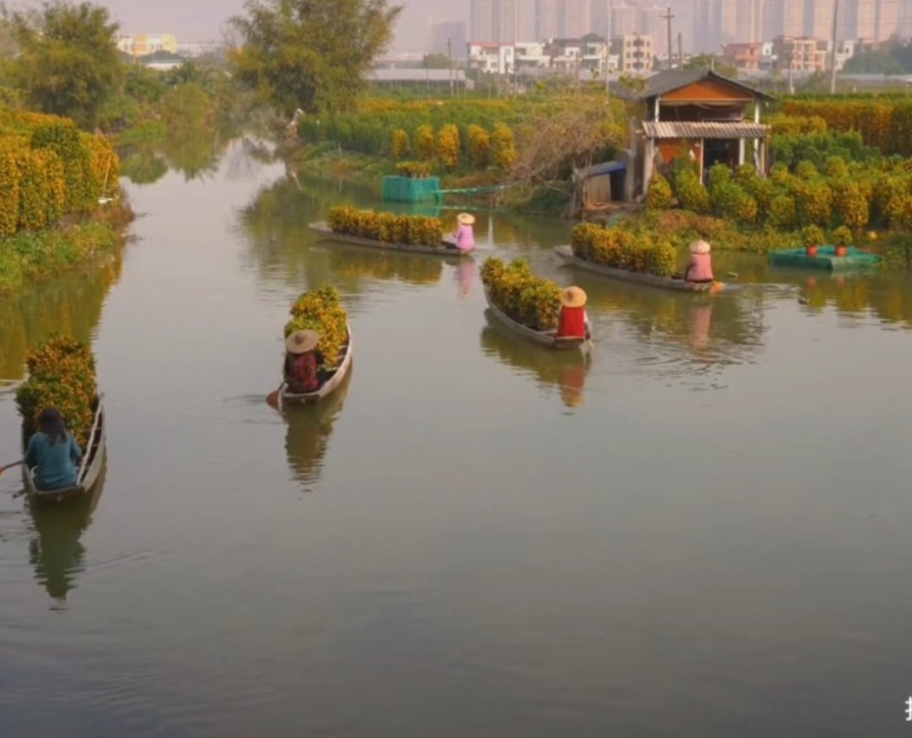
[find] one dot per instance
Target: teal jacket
(56, 463)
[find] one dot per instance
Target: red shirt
(572, 323)
(301, 373)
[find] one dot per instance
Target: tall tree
(68, 63)
(310, 54)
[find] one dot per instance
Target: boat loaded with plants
(627, 254)
(414, 233)
(321, 310)
(62, 375)
(527, 304)
(840, 256)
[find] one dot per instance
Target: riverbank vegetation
(517, 292)
(62, 204)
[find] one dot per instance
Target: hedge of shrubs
(321, 310)
(527, 299)
(620, 248)
(415, 230)
(883, 122)
(855, 195)
(48, 169)
(62, 375)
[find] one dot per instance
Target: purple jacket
(699, 268)
(465, 238)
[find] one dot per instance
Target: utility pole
(680, 51)
(668, 16)
(791, 81)
(833, 49)
(607, 47)
(450, 56)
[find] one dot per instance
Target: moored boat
(89, 469)
(668, 283)
(447, 248)
(330, 385)
(545, 338)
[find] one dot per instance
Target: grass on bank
(32, 256)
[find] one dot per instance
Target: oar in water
(10, 466)
(273, 397)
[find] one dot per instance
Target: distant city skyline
(203, 20)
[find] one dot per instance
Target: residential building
(438, 79)
(744, 57)
(143, 44)
(802, 54)
(447, 37)
(635, 53)
(818, 21)
(492, 58)
(494, 21)
(190, 51)
(703, 114)
(627, 18)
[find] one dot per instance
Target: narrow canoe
(668, 283)
(447, 249)
(89, 470)
(330, 385)
(545, 338)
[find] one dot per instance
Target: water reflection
(56, 551)
(196, 154)
(70, 305)
(465, 277)
(354, 263)
(888, 297)
(566, 370)
(309, 429)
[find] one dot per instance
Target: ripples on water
(474, 537)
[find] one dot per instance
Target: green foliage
(645, 252)
(390, 227)
(414, 169)
(527, 299)
(479, 146)
(400, 143)
(423, 140)
(814, 199)
(503, 147)
(842, 236)
(310, 54)
(448, 146)
(61, 375)
(836, 168)
(692, 193)
(659, 196)
(851, 205)
(812, 235)
(68, 63)
(783, 214)
(185, 107)
(321, 310)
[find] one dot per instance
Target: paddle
(10, 466)
(273, 397)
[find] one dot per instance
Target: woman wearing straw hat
(464, 236)
(302, 361)
(573, 321)
(699, 268)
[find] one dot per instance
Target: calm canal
(703, 531)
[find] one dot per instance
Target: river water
(703, 530)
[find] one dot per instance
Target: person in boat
(464, 235)
(53, 452)
(573, 322)
(302, 362)
(699, 267)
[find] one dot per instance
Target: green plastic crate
(409, 189)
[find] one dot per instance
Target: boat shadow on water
(56, 551)
(565, 370)
(308, 430)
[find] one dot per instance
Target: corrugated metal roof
(688, 130)
(670, 80)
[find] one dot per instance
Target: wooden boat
(668, 283)
(330, 385)
(93, 456)
(545, 338)
(446, 249)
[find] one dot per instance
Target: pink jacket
(699, 268)
(465, 238)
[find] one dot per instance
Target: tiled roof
(674, 79)
(688, 130)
